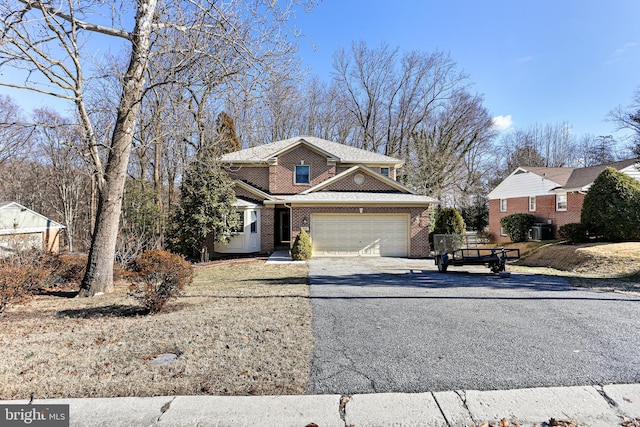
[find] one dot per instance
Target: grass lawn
(241, 328)
(603, 266)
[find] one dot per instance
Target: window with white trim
(239, 228)
(254, 221)
(561, 202)
(384, 172)
(532, 203)
(302, 175)
(503, 205)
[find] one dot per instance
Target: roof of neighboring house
(574, 179)
(557, 175)
(335, 197)
(15, 219)
(584, 177)
(340, 152)
(520, 184)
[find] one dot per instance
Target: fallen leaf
(504, 423)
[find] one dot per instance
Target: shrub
(22, 274)
(574, 232)
(158, 277)
(301, 250)
(70, 269)
(611, 207)
(449, 221)
(517, 226)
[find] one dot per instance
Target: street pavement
(395, 325)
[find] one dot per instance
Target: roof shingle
(345, 153)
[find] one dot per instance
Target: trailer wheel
(442, 266)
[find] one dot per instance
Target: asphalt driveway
(397, 325)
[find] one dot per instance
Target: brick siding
(370, 184)
(267, 227)
(281, 175)
(545, 210)
(256, 176)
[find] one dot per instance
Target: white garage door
(360, 235)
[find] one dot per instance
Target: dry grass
(605, 266)
(241, 328)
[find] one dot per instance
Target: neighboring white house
(23, 229)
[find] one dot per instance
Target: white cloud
(621, 52)
(502, 122)
(525, 59)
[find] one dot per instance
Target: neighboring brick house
(346, 198)
(23, 229)
(553, 195)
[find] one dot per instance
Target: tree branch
(80, 24)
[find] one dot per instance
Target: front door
(283, 227)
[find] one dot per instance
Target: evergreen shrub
(517, 226)
(301, 250)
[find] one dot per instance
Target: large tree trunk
(99, 276)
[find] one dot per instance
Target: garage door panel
(360, 235)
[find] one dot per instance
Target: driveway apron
(397, 325)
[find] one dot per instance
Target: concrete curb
(585, 405)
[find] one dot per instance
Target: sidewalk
(584, 406)
(282, 257)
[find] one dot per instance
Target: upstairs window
(503, 205)
(532, 203)
(384, 172)
(302, 175)
(561, 202)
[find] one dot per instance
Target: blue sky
(537, 61)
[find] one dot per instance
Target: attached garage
(360, 234)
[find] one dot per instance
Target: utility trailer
(462, 249)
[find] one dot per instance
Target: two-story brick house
(553, 195)
(347, 199)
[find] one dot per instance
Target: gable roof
(582, 178)
(553, 180)
(15, 219)
(333, 150)
(390, 182)
(558, 175)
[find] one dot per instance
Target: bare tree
(366, 77)
(50, 43)
(629, 118)
(14, 130)
(388, 97)
(59, 147)
(441, 145)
